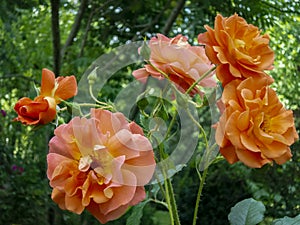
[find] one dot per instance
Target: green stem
(89, 105)
(169, 202)
(200, 79)
(173, 202)
(170, 125)
(159, 202)
(94, 98)
(202, 182)
(170, 198)
(203, 177)
(159, 70)
(199, 126)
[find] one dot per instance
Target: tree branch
(88, 26)
(173, 16)
(75, 27)
(279, 9)
(153, 22)
(85, 36)
(55, 35)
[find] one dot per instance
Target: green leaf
(145, 51)
(136, 215)
(142, 103)
(161, 217)
(287, 221)
(247, 212)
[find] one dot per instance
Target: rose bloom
(237, 48)
(182, 63)
(255, 128)
(100, 164)
(42, 109)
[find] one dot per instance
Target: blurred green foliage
(26, 48)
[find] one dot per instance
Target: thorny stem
(170, 198)
(173, 203)
(202, 182)
(203, 177)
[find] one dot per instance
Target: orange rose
(237, 48)
(184, 64)
(255, 128)
(42, 109)
(38, 111)
(100, 164)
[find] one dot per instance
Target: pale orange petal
(73, 204)
(58, 197)
(274, 150)
(251, 159)
(229, 154)
(67, 88)
(232, 132)
(119, 198)
(243, 121)
(94, 209)
(50, 114)
(47, 83)
(249, 142)
(283, 121)
(284, 158)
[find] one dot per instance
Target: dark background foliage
(67, 36)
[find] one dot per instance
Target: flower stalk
(200, 79)
(202, 182)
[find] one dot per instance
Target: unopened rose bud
(92, 77)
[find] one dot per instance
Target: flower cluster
(101, 162)
(255, 128)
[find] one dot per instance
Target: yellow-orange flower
(100, 164)
(42, 109)
(255, 128)
(237, 48)
(182, 63)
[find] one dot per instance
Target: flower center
(98, 160)
(54, 89)
(265, 126)
(182, 43)
(239, 43)
(85, 163)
